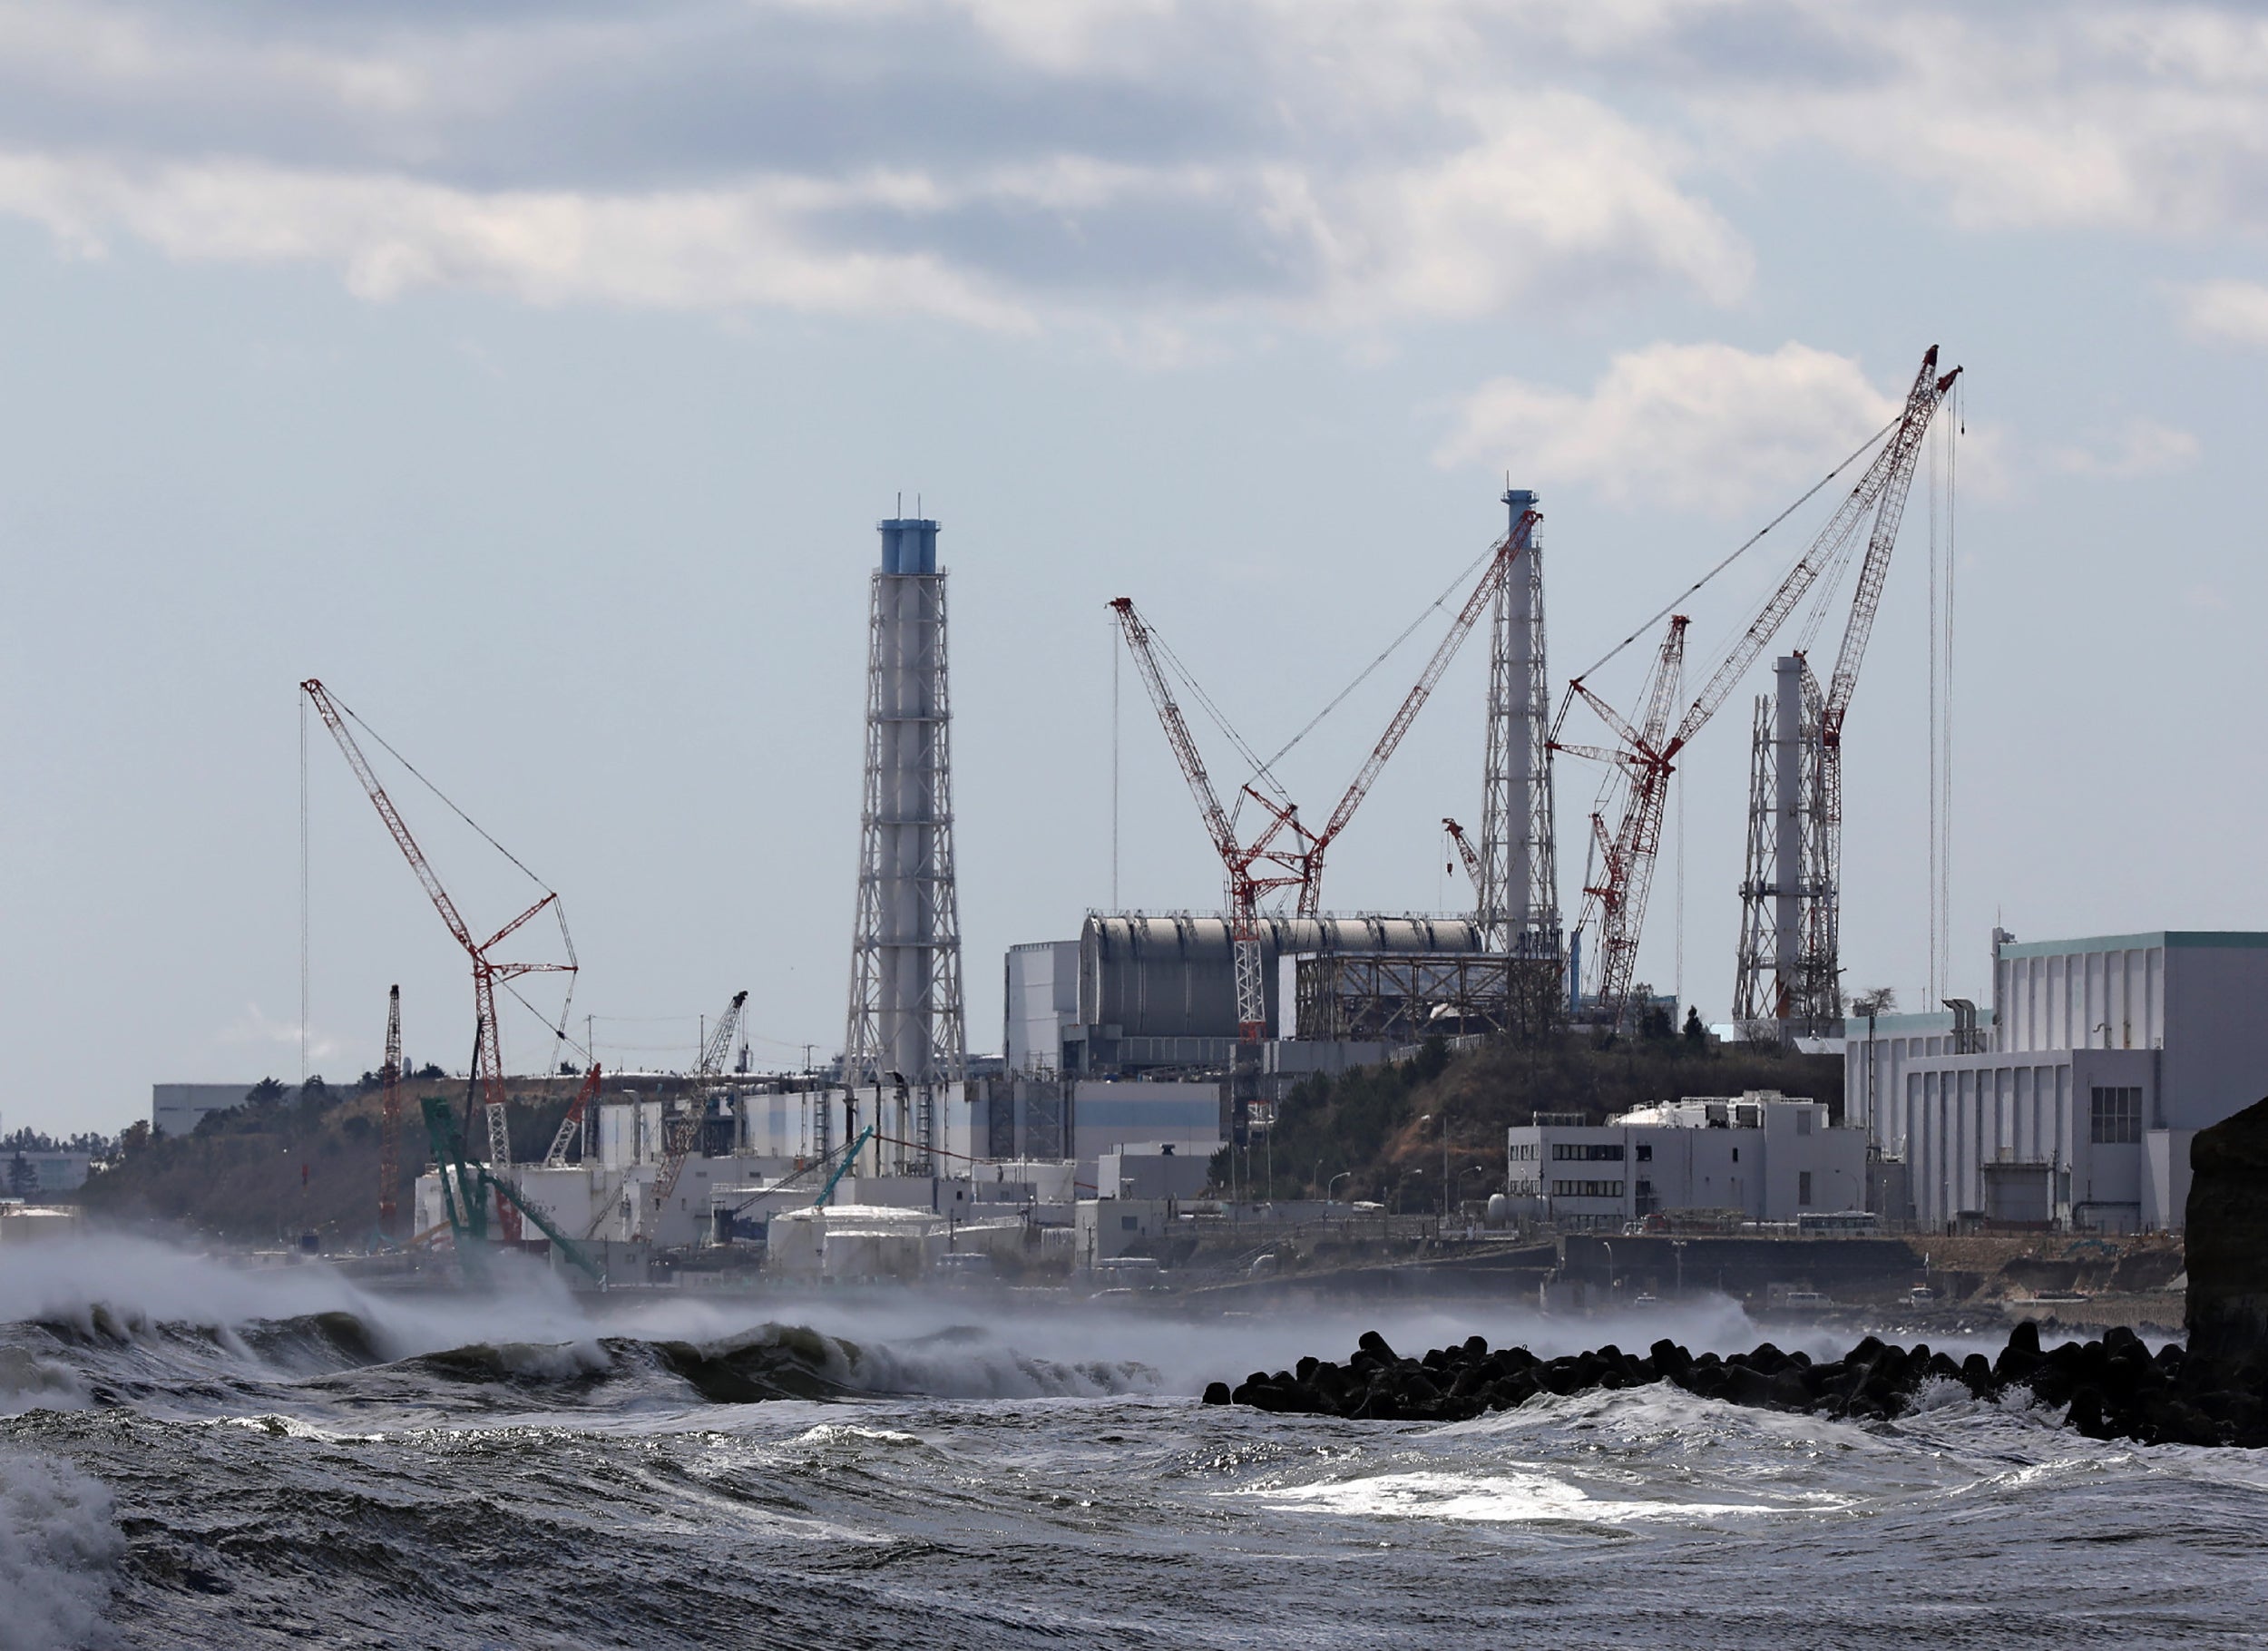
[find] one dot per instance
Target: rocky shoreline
(2113, 1388)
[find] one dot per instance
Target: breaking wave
(59, 1548)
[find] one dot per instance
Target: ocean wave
(59, 1548)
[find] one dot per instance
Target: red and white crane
(1618, 901)
(1493, 579)
(1284, 853)
(1465, 852)
(488, 971)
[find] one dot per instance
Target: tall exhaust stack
(907, 1036)
(1520, 894)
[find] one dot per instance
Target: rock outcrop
(2228, 1236)
(2113, 1388)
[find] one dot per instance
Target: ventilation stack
(1786, 978)
(907, 1036)
(1520, 887)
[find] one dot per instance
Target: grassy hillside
(1365, 1122)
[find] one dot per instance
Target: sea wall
(2228, 1236)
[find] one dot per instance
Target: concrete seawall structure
(2228, 1236)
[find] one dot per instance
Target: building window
(1591, 1152)
(1803, 1186)
(1736, 1155)
(1803, 1122)
(1128, 1224)
(1646, 1152)
(1587, 1189)
(2118, 1116)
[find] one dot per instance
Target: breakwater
(2114, 1388)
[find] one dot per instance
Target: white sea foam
(58, 1547)
(1504, 1496)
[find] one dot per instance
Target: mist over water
(192, 1453)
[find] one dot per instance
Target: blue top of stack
(909, 545)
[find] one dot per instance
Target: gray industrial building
(1758, 1157)
(2075, 1099)
(1145, 994)
(176, 1108)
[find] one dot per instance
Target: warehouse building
(2074, 1101)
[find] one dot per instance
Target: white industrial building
(1760, 1156)
(2074, 1101)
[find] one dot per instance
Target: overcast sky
(534, 374)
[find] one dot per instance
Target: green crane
(465, 1189)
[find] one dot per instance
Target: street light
(1343, 1175)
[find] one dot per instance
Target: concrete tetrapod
(2113, 1388)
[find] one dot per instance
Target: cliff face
(2227, 1238)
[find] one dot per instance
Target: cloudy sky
(534, 373)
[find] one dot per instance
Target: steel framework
(1787, 979)
(906, 1023)
(1401, 997)
(1519, 883)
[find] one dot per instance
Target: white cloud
(2136, 117)
(2139, 447)
(1690, 426)
(2233, 310)
(1554, 191)
(1140, 166)
(1150, 169)
(390, 234)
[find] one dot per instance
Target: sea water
(194, 1454)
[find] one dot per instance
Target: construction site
(1125, 1133)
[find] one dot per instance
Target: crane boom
(1866, 599)
(1465, 851)
(1492, 580)
(1627, 858)
(1178, 735)
(1886, 477)
(329, 711)
(572, 1125)
(685, 1131)
(719, 1045)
